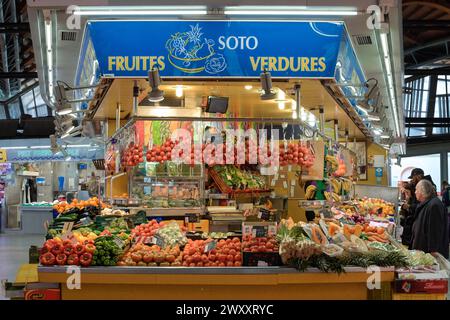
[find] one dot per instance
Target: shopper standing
(408, 209)
(430, 228)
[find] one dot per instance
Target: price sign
(158, 240)
(191, 218)
(119, 242)
(259, 231)
(210, 245)
(264, 214)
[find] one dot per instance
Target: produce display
(151, 256)
(375, 207)
(224, 253)
(296, 154)
(329, 246)
(75, 205)
(161, 153)
(259, 244)
(238, 179)
(68, 252)
(108, 250)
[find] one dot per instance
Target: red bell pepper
(61, 259)
(69, 249)
(86, 259)
(73, 260)
(49, 244)
(47, 259)
(79, 249)
(88, 241)
(43, 250)
(89, 248)
(105, 233)
(67, 242)
(57, 249)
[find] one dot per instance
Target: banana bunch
(310, 192)
(347, 185)
(336, 185)
(331, 196)
(333, 162)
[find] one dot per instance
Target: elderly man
(430, 228)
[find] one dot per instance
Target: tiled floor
(14, 252)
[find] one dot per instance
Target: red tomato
(213, 252)
(236, 240)
(232, 252)
(230, 258)
(205, 258)
(230, 264)
(221, 264)
(222, 258)
(237, 263)
(199, 264)
(212, 257)
(192, 265)
(238, 257)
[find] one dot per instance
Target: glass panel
(2, 112)
(431, 165)
(14, 110)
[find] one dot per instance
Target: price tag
(119, 242)
(283, 176)
(293, 183)
(191, 217)
(158, 240)
(272, 183)
(211, 245)
(259, 231)
(285, 185)
(86, 221)
(68, 226)
(263, 214)
(262, 264)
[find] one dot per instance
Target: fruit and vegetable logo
(192, 53)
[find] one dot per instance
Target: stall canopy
(220, 49)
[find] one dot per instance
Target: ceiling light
(290, 11)
(373, 117)
(179, 91)
(281, 105)
(294, 114)
(39, 147)
(384, 136)
(155, 95)
(266, 84)
(248, 87)
(139, 10)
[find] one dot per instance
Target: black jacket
(409, 215)
(430, 228)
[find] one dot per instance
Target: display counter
(33, 218)
(213, 283)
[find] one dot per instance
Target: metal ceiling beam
(426, 24)
(427, 139)
(18, 75)
(427, 120)
(427, 72)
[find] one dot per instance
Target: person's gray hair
(426, 188)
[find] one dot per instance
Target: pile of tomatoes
(227, 253)
(147, 229)
(296, 154)
(132, 155)
(151, 256)
(259, 244)
(161, 153)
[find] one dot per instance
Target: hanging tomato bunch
(132, 155)
(161, 153)
(296, 154)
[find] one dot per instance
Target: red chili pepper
(90, 248)
(61, 259)
(47, 259)
(69, 249)
(73, 259)
(86, 259)
(57, 249)
(79, 249)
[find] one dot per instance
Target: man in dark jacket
(430, 231)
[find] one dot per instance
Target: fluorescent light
(248, 87)
(377, 132)
(139, 10)
(64, 111)
(294, 105)
(14, 148)
(40, 147)
(78, 145)
(48, 47)
(179, 91)
(373, 117)
(290, 11)
(384, 136)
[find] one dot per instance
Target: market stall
(193, 208)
